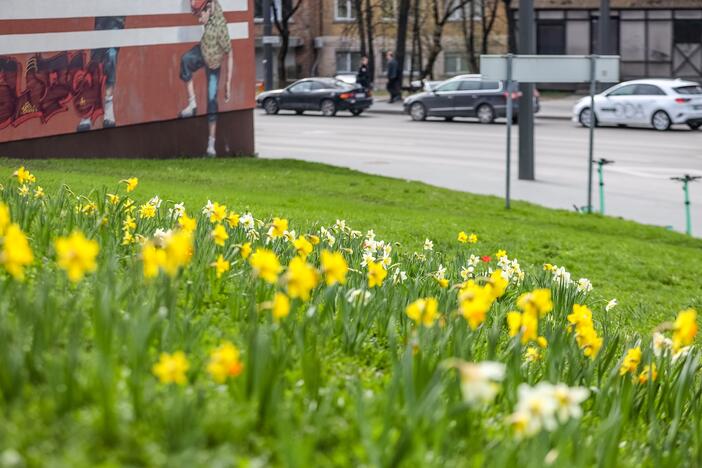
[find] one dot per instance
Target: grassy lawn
(134, 332)
(652, 272)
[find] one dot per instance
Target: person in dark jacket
(394, 78)
(363, 76)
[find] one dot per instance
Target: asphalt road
(468, 156)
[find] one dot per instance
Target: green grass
(652, 272)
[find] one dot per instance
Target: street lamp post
(527, 46)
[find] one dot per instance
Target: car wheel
(418, 112)
(448, 119)
(299, 112)
(271, 106)
(694, 125)
(356, 112)
(585, 116)
(485, 114)
(328, 108)
(661, 120)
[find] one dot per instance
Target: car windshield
(687, 90)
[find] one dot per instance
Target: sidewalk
(558, 108)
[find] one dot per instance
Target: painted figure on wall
(210, 54)
(108, 59)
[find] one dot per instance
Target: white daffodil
(155, 201)
(467, 273)
(367, 258)
(568, 400)
(247, 221)
(539, 405)
(584, 285)
(161, 237)
(611, 305)
(561, 276)
(428, 245)
(474, 260)
(358, 295)
(208, 209)
(480, 382)
(177, 211)
(398, 276)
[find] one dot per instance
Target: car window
(687, 90)
(649, 90)
(301, 87)
(627, 90)
(449, 86)
(316, 86)
(469, 85)
(490, 85)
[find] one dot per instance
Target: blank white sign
(550, 68)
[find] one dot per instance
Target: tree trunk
(511, 27)
(358, 6)
(434, 51)
(416, 40)
(370, 40)
(488, 25)
(401, 38)
(469, 36)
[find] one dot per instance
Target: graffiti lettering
(51, 84)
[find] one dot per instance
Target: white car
(655, 103)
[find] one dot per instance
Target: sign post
(551, 69)
(686, 179)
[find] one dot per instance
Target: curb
(399, 112)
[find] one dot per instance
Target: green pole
(599, 172)
(688, 217)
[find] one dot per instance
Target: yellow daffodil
(684, 329)
(171, 368)
(281, 306)
(129, 223)
(5, 219)
(39, 193)
(147, 211)
(219, 235)
(376, 274)
(187, 224)
(497, 284)
(113, 199)
(179, 252)
(16, 253)
(500, 253)
(76, 255)
(423, 311)
(649, 372)
(303, 247)
(233, 219)
(265, 265)
(334, 267)
(218, 213)
(314, 240)
(462, 237)
(537, 302)
(221, 266)
(532, 354)
(245, 250)
(278, 227)
(23, 190)
(152, 259)
(24, 176)
(225, 362)
(301, 278)
(132, 183)
(475, 301)
(631, 361)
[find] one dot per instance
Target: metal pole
(527, 45)
(603, 29)
(509, 129)
(593, 59)
(267, 46)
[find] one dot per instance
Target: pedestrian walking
(394, 78)
(363, 77)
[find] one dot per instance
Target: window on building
(388, 9)
(687, 31)
(457, 15)
(258, 8)
(551, 37)
(347, 61)
(455, 63)
(344, 10)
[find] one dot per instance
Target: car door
(617, 106)
(647, 100)
(441, 102)
(293, 98)
(317, 92)
(466, 97)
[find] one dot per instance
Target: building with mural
(116, 78)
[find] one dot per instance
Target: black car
(465, 96)
(328, 95)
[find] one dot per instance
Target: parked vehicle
(657, 103)
(327, 95)
(466, 96)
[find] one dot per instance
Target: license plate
(360, 95)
